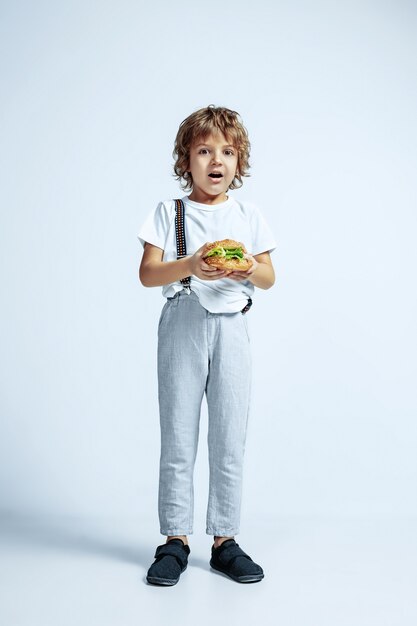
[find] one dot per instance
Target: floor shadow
(74, 534)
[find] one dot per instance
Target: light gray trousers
(201, 352)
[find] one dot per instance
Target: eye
(231, 153)
(202, 150)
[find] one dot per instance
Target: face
(208, 156)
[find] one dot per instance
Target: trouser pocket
(245, 324)
(164, 312)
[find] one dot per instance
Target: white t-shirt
(231, 219)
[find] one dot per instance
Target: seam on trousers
(190, 499)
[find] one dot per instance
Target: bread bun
(227, 254)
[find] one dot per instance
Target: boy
(203, 340)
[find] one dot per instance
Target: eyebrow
(229, 145)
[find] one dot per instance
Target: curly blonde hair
(200, 125)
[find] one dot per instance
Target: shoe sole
(249, 578)
(164, 582)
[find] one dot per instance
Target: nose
(216, 157)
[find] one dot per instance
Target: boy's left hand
(239, 275)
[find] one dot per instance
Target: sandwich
(227, 254)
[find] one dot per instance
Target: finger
(210, 270)
(207, 266)
(218, 273)
(204, 247)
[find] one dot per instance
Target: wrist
(188, 265)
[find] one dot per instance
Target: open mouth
(216, 175)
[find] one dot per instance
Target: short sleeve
(263, 239)
(155, 228)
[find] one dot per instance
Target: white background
(92, 95)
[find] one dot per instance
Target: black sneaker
(171, 559)
(231, 560)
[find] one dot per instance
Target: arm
(154, 272)
(261, 274)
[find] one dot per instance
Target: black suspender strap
(180, 236)
(182, 247)
(247, 306)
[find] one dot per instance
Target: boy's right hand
(201, 269)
